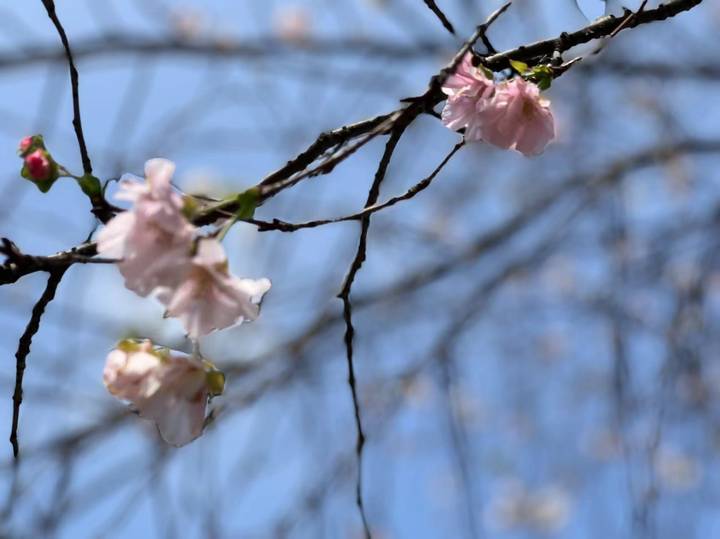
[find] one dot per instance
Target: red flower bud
(38, 165)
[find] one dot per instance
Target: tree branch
(432, 6)
(23, 349)
(283, 226)
(605, 27)
(344, 295)
(75, 84)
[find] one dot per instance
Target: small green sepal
(91, 186)
(246, 203)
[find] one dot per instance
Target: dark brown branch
(432, 6)
(344, 295)
(283, 226)
(24, 349)
(534, 53)
(19, 264)
(295, 169)
(75, 84)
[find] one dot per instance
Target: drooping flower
(209, 297)
(517, 117)
(167, 387)
(509, 114)
(154, 239)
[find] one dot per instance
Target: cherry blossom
(466, 75)
(509, 114)
(517, 117)
(165, 386)
(209, 297)
(154, 239)
(468, 89)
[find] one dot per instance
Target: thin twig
(344, 295)
(24, 349)
(284, 226)
(534, 53)
(630, 17)
(19, 264)
(75, 84)
(432, 6)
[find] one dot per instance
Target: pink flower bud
(38, 165)
(25, 145)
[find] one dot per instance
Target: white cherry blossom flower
(167, 387)
(154, 239)
(209, 297)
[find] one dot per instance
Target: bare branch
(432, 6)
(534, 53)
(23, 349)
(283, 226)
(75, 84)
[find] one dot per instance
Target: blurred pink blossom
(292, 23)
(209, 297)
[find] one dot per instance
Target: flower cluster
(161, 254)
(167, 387)
(508, 114)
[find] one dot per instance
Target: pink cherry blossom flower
(38, 165)
(517, 117)
(510, 114)
(154, 239)
(209, 298)
(468, 90)
(165, 386)
(467, 75)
